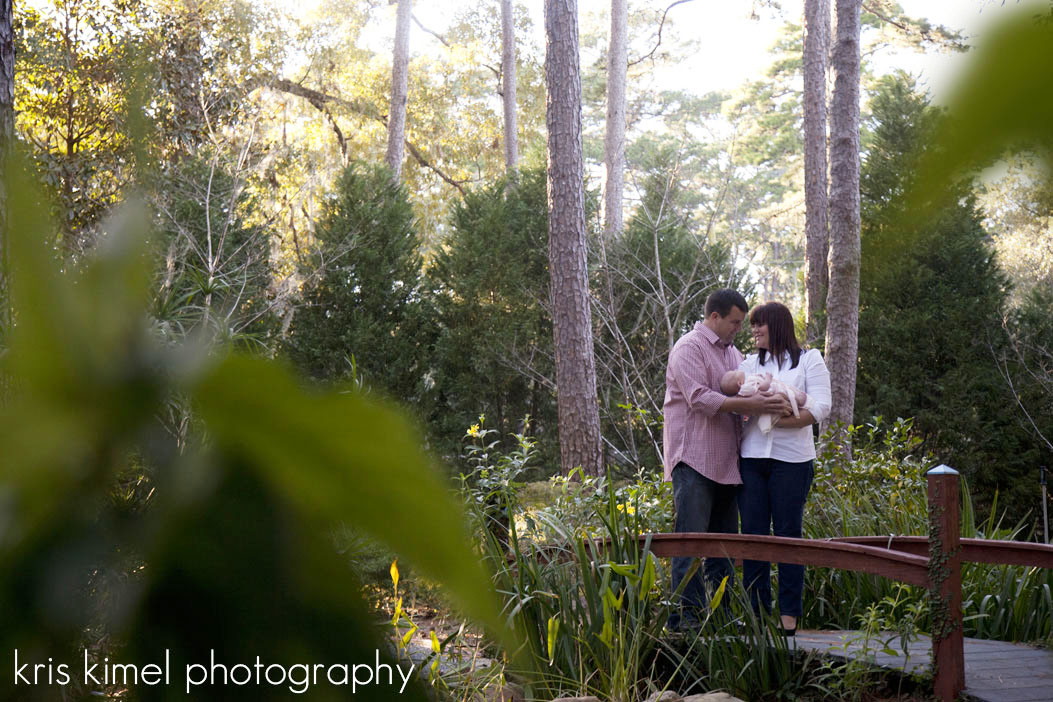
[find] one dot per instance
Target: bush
(489, 285)
(362, 314)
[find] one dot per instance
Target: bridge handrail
(993, 551)
(906, 567)
(933, 561)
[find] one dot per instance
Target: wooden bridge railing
(933, 561)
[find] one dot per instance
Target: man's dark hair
(722, 301)
(781, 336)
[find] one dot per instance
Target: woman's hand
(805, 420)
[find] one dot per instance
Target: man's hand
(769, 403)
(761, 403)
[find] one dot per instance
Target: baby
(736, 382)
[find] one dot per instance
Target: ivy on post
(945, 583)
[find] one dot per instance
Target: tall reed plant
(584, 599)
(590, 605)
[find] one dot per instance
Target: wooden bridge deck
(995, 671)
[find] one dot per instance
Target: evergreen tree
(362, 311)
(490, 289)
(931, 305)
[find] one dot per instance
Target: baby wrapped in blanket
(736, 382)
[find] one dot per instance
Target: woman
(777, 466)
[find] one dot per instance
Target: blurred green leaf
(346, 457)
(1004, 100)
(232, 553)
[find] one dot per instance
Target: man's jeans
(772, 502)
(702, 505)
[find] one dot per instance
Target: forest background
(276, 228)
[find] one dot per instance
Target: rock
(713, 697)
(664, 696)
(509, 692)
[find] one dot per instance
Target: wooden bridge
(932, 561)
(995, 671)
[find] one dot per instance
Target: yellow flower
(628, 509)
(473, 431)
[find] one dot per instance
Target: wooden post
(945, 584)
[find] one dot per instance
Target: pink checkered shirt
(695, 431)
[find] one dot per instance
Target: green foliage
(991, 113)
(493, 483)
(362, 310)
(232, 552)
(1026, 366)
(216, 265)
(71, 61)
(76, 64)
(490, 290)
(587, 610)
(931, 306)
(1002, 104)
(880, 490)
(205, 60)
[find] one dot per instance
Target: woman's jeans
(772, 502)
(701, 505)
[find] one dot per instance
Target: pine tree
(579, 419)
(362, 310)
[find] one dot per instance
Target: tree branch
(949, 38)
(658, 43)
(434, 34)
(448, 45)
(415, 152)
(316, 98)
(867, 7)
(320, 100)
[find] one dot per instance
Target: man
(701, 441)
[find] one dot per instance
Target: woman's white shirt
(789, 445)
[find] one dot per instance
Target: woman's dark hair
(781, 336)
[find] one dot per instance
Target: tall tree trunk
(816, 41)
(7, 142)
(399, 89)
(842, 305)
(579, 416)
(614, 139)
(508, 87)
